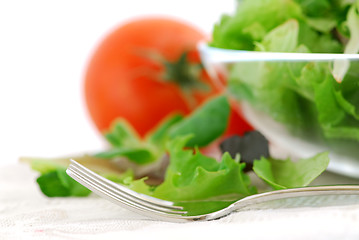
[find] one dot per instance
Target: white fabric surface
(26, 214)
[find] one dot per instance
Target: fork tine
(119, 193)
(118, 199)
(125, 190)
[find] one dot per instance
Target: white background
(44, 50)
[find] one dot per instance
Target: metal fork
(169, 211)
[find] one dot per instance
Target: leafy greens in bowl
(315, 100)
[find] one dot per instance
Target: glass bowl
(304, 103)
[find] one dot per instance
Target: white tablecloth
(26, 214)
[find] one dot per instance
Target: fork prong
(118, 199)
(116, 192)
(123, 189)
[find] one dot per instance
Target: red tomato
(145, 70)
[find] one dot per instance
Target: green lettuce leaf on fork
(193, 176)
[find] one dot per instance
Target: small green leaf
(122, 133)
(58, 184)
(126, 143)
(281, 174)
(45, 165)
(160, 134)
(140, 156)
(324, 25)
(283, 38)
(205, 124)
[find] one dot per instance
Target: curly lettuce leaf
(338, 118)
(282, 174)
(193, 176)
(254, 19)
(198, 182)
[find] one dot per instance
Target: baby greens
(206, 125)
(190, 176)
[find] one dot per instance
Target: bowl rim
(222, 55)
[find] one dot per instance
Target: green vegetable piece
(348, 107)
(315, 8)
(282, 174)
(138, 155)
(122, 134)
(324, 25)
(253, 20)
(160, 134)
(330, 112)
(138, 185)
(58, 184)
(338, 118)
(126, 143)
(340, 68)
(193, 176)
(205, 124)
(256, 18)
(282, 38)
(44, 166)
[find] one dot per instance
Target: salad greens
(281, 174)
(253, 20)
(190, 177)
(308, 97)
(206, 125)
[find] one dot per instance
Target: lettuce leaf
(126, 143)
(206, 124)
(254, 19)
(281, 174)
(57, 183)
(54, 181)
(193, 176)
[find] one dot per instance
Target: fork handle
(296, 193)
